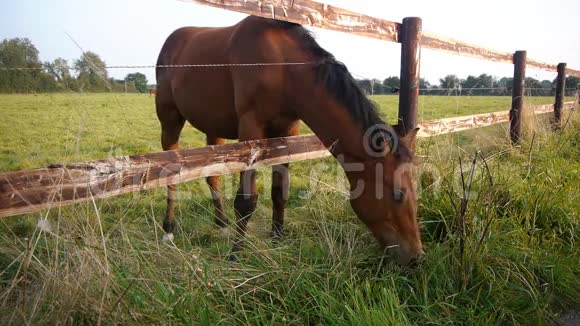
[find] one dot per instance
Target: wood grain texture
(32, 190)
(452, 46)
(573, 72)
(560, 92)
(410, 36)
(518, 93)
(456, 47)
(315, 14)
(449, 125)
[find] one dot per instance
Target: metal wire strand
(206, 65)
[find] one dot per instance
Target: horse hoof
(232, 258)
(167, 237)
(277, 235)
(221, 222)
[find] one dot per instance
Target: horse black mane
(337, 79)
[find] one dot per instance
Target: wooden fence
(33, 190)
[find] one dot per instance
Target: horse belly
(208, 105)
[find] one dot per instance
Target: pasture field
(515, 262)
(42, 129)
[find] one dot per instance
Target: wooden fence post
(410, 38)
(560, 93)
(517, 95)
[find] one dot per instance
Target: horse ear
(410, 138)
(399, 130)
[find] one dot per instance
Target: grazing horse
(233, 101)
(152, 91)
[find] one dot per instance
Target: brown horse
(252, 102)
(152, 91)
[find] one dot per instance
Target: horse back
(213, 98)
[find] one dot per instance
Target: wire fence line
(206, 65)
(462, 89)
(261, 64)
(470, 88)
(255, 64)
(457, 90)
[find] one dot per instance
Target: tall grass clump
(499, 223)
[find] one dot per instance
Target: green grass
(43, 129)
(103, 260)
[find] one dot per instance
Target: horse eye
(399, 195)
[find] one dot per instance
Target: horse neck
(334, 125)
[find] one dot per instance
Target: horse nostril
(416, 261)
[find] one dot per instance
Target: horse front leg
(244, 206)
(214, 187)
(171, 125)
(247, 195)
(281, 184)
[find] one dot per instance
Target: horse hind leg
(244, 206)
(280, 189)
(247, 195)
(214, 187)
(171, 125)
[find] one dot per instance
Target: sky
(131, 32)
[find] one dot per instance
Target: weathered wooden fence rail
(29, 191)
(33, 190)
(449, 125)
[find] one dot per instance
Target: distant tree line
(88, 73)
(482, 85)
